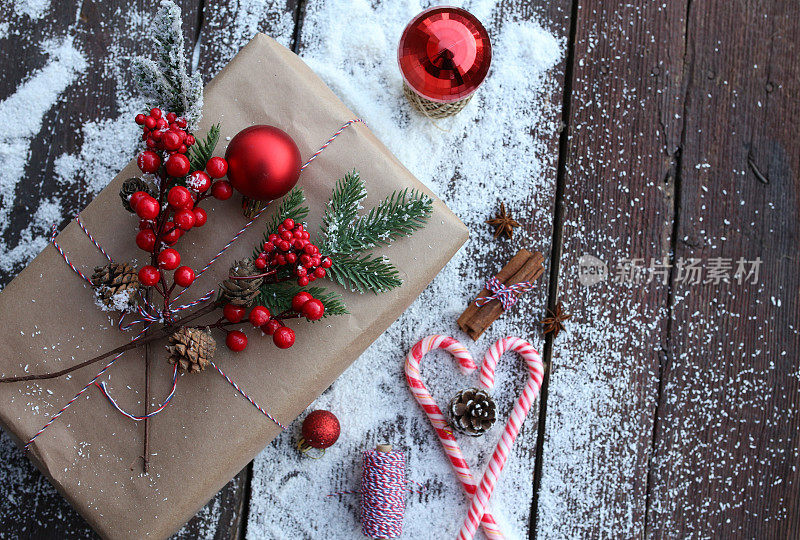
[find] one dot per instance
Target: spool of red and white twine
(383, 492)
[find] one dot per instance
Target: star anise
(555, 322)
(503, 223)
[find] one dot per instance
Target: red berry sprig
(290, 246)
(303, 305)
(175, 211)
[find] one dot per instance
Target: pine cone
(131, 186)
(115, 285)
(191, 349)
(241, 292)
(472, 412)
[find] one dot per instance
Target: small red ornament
(236, 340)
(271, 326)
(320, 430)
(283, 338)
(444, 54)
(136, 197)
(263, 163)
(179, 197)
(146, 240)
(299, 300)
(149, 275)
(184, 219)
(184, 276)
(199, 181)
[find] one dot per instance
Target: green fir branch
(364, 273)
(277, 297)
(400, 214)
(341, 210)
(202, 151)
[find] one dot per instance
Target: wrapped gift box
(92, 454)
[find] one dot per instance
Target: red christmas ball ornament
(444, 54)
(263, 163)
(320, 430)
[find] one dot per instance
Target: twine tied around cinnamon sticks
(501, 292)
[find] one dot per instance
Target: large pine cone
(191, 348)
(131, 186)
(115, 285)
(241, 292)
(472, 412)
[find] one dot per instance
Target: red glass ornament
(444, 54)
(320, 430)
(263, 163)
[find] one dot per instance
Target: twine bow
(508, 296)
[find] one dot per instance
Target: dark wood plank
(617, 176)
(104, 34)
(727, 442)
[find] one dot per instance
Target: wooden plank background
(672, 408)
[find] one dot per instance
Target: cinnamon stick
(524, 266)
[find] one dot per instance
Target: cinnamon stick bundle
(524, 266)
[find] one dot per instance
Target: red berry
(172, 234)
(150, 122)
(286, 235)
(178, 165)
(217, 167)
(271, 326)
(291, 258)
(299, 299)
(181, 121)
(326, 262)
(309, 249)
(184, 276)
(171, 117)
(222, 190)
(319, 272)
(301, 271)
(199, 181)
(184, 219)
(313, 309)
(269, 247)
(200, 217)
(236, 340)
(144, 224)
(281, 260)
(171, 140)
(182, 149)
(149, 275)
(283, 337)
(233, 313)
(148, 161)
(260, 263)
(283, 245)
(136, 197)
(146, 240)
(259, 316)
(273, 238)
(302, 281)
(179, 197)
(190, 140)
(288, 223)
(147, 207)
(140, 119)
(169, 259)
(155, 112)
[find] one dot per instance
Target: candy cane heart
(466, 366)
(480, 500)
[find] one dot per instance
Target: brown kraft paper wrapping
(208, 432)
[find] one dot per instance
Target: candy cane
(482, 495)
(466, 365)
